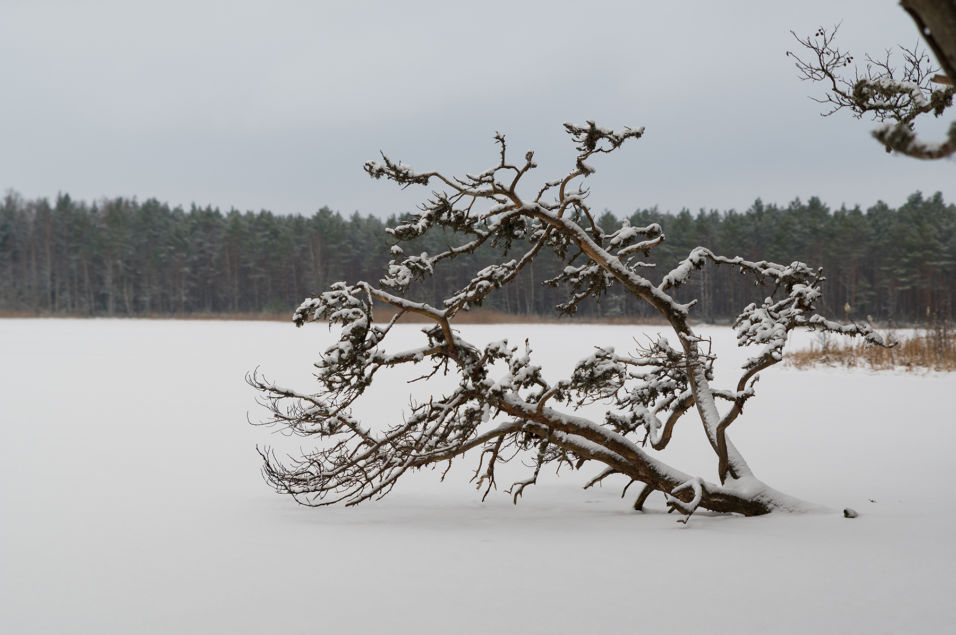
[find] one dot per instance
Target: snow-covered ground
(131, 502)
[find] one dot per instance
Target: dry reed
(475, 316)
(933, 348)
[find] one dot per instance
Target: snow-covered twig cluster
(896, 97)
(504, 406)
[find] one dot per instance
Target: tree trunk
(936, 20)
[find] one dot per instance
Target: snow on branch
(629, 240)
(764, 271)
(896, 95)
(900, 138)
(340, 304)
(399, 172)
(594, 138)
(503, 404)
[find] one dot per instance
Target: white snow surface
(131, 502)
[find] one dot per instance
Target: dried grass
(475, 316)
(18, 313)
(260, 317)
(930, 349)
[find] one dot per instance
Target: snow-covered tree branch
(894, 94)
(504, 406)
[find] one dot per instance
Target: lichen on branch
(896, 94)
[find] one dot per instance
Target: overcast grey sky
(276, 105)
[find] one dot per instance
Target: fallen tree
(504, 407)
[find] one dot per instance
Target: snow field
(131, 502)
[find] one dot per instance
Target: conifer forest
(121, 257)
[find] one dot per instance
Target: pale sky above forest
(276, 105)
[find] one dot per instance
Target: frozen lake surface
(132, 503)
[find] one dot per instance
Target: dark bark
(936, 20)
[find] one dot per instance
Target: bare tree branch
(503, 405)
(895, 95)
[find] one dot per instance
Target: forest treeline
(123, 257)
